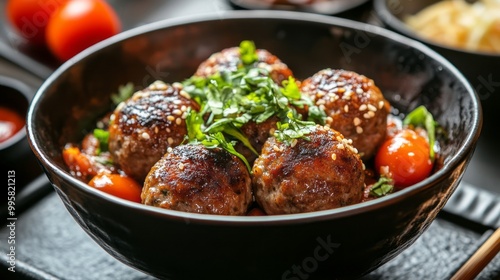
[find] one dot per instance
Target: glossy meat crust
(354, 105)
(144, 126)
(193, 178)
(321, 173)
(229, 60)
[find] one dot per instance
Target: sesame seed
(320, 102)
(371, 114)
(346, 108)
(366, 116)
(178, 121)
(156, 130)
(340, 146)
(177, 101)
(145, 136)
(356, 121)
(334, 156)
(170, 118)
(359, 129)
(177, 112)
(276, 148)
(359, 91)
(178, 85)
(183, 108)
(372, 108)
(363, 107)
(184, 93)
(169, 149)
(294, 142)
(170, 140)
(181, 166)
(168, 130)
(341, 90)
(329, 119)
(363, 165)
(380, 104)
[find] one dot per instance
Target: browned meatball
(145, 125)
(319, 173)
(193, 178)
(229, 60)
(257, 134)
(354, 105)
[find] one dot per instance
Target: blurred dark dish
(14, 102)
(480, 68)
(328, 7)
(343, 242)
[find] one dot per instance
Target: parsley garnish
(230, 99)
(103, 137)
(248, 52)
(420, 116)
(382, 187)
(124, 93)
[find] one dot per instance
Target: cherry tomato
(117, 185)
(30, 17)
(78, 162)
(405, 158)
(10, 123)
(78, 24)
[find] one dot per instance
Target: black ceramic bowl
(480, 68)
(344, 242)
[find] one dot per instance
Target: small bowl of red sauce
(14, 101)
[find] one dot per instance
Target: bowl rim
(25, 91)
(322, 215)
(389, 19)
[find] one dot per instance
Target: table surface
(45, 229)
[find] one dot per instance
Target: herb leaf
(103, 138)
(382, 187)
(420, 116)
(124, 93)
(248, 52)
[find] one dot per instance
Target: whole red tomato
(78, 24)
(30, 17)
(405, 157)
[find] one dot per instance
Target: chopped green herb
(382, 187)
(103, 138)
(248, 52)
(420, 116)
(230, 99)
(124, 93)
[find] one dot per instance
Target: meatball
(193, 178)
(354, 106)
(257, 134)
(322, 172)
(229, 60)
(145, 125)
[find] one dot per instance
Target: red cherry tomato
(405, 157)
(30, 17)
(117, 185)
(78, 24)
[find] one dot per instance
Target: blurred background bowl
(343, 242)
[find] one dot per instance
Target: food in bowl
(461, 24)
(242, 127)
